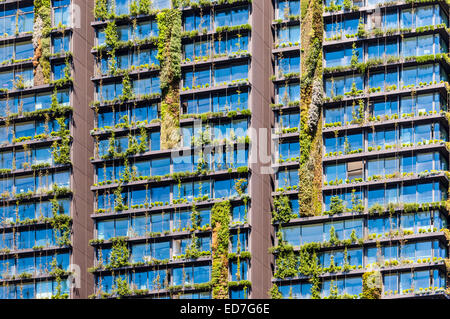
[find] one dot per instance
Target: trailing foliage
(287, 261)
(169, 56)
(119, 253)
(61, 225)
(41, 41)
(122, 288)
(283, 210)
(220, 219)
(371, 285)
(274, 293)
(310, 266)
(310, 172)
(58, 273)
(61, 148)
(101, 9)
(336, 205)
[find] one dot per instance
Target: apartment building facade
(177, 196)
(44, 118)
(223, 149)
(380, 230)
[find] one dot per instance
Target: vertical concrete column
(260, 187)
(83, 146)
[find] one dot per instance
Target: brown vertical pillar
(82, 148)
(260, 183)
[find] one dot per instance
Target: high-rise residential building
(376, 224)
(44, 175)
(181, 211)
(224, 149)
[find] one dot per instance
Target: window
(287, 178)
(348, 285)
(59, 71)
(289, 150)
(61, 43)
(21, 20)
(342, 56)
(384, 80)
(226, 74)
(420, 74)
(343, 84)
(191, 275)
(230, 101)
(336, 172)
(239, 214)
(199, 77)
(383, 49)
(288, 64)
(17, 51)
(288, 35)
(239, 242)
(196, 50)
(292, 235)
(61, 12)
(390, 20)
(146, 86)
(231, 17)
(108, 91)
(196, 21)
(296, 291)
(286, 8)
(238, 273)
(231, 44)
(286, 93)
(347, 26)
(352, 143)
(289, 120)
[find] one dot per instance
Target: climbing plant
(121, 287)
(127, 90)
(61, 224)
(58, 273)
(118, 200)
(145, 6)
(371, 285)
(111, 39)
(143, 140)
(310, 266)
(282, 210)
(169, 56)
(192, 251)
(119, 253)
(101, 9)
(274, 293)
(41, 42)
(61, 148)
(287, 261)
(220, 219)
(310, 172)
(195, 217)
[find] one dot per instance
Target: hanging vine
(282, 210)
(101, 9)
(41, 42)
(287, 261)
(274, 292)
(310, 172)
(58, 273)
(119, 256)
(61, 224)
(371, 285)
(220, 219)
(169, 55)
(61, 148)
